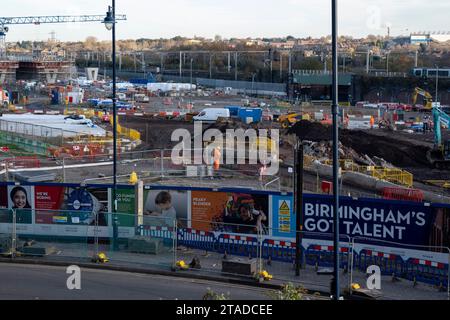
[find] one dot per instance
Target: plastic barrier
(390, 264)
(196, 239)
(238, 245)
(278, 250)
(427, 271)
(323, 256)
(156, 232)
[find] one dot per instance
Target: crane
(440, 156)
(5, 22)
(427, 97)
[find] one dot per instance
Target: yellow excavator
(290, 119)
(428, 98)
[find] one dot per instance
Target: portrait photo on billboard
(162, 207)
(230, 212)
(71, 206)
(21, 199)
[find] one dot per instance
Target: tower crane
(5, 22)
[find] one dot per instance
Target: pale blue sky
(231, 18)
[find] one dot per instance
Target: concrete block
(38, 251)
(145, 245)
(5, 243)
(240, 267)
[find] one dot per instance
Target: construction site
(58, 147)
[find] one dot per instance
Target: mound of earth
(398, 152)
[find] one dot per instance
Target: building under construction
(34, 69)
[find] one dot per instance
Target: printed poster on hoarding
(71, 206)
(398, 222)
(283, 217)
(126, 207)
(21, 198)
(229, 212)
(162, 207)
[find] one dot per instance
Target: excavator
(439, 157)
(428, 98)
(291, 118)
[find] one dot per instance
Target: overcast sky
(231, 18)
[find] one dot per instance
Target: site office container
(250, 115)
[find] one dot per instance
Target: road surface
(26, 282)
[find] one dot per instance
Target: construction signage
(283, 221)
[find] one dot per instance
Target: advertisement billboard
(392, 221)
(230, 212)
(71, 206)
(162, 207)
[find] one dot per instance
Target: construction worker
(372, 122)
(217, 154)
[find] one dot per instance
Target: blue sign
(395, 221)
(283, 217)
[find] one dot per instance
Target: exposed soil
(404, 150)
(401, 153)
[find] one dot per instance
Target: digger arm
(439, 118)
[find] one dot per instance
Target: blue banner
(395, 221)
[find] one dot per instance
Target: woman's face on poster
(20, 199)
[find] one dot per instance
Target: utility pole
(281, 66)
(236, 66)
(368, 62)
(437, 83)
(335, 112)
(190, 87)
(416, 60)
(298, 204)
(387, 62)
(210, 65)
(181, 64)
(290, 62)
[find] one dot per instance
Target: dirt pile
(385, 147)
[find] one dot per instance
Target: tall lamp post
(110, 24)
(437, 83)
(335, 112)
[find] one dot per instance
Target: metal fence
(241, 86)
(251, 250)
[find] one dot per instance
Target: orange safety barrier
(403, 194)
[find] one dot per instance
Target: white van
(212, 114)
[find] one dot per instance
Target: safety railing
(393, 175)
(399, 262)
(248, 247)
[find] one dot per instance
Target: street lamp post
(110, 24)
(190, 87)
(437, 83)
(253, 82)
(335, 112)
